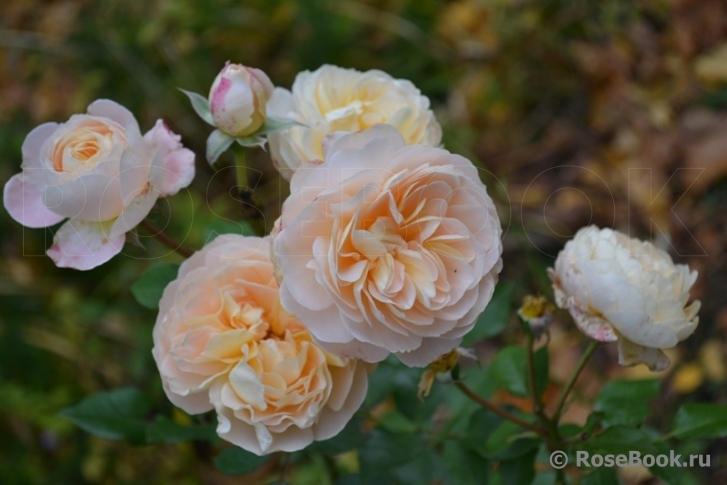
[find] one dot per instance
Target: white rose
(337, 99)
(622, 289)
(237, 99)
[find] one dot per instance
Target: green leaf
(149, 288)
(201, 106)
(251, 141)
(217, 144)
(112, 415)
(494, 319)
(480, 427)
(519, 470)
(697, 421)
(164, 430)
(236, 461)
(463, 466)
(276, 124)
(509, 369)
(396, 422)
(384, 450)
(541, 363)
(620, 440)
(601, 476)
(349, 438)
(218, 226)
(627, 402)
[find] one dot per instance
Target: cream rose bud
(337, 99)
(237, 99)
(222, 341)
(622, 289)
(99, 172)
(385, 247)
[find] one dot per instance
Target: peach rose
(223, 342)
(332, 99)
(386, 247)
(99, 172)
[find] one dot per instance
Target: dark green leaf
(112, 415)
(697, 420)
(396, 422)
(219, 226)
(384, 450)
(149, 288)
(236, 461)
(481, 425)
(463, 466)
(519, 470)
(494, 319)
(201, 106)
(541, 363)
(349, 438)
(620, 440)
(509, 369)
(627, 402)
(164, 430)
(601, 476)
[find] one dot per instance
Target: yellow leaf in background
(688, 378)
(711, 68)
(712, 358)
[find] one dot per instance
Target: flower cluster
(387, 245)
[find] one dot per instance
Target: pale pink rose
(222, 341)
(237, 99)
(99, 172)
(385, 247)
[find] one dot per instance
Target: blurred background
(607, 112)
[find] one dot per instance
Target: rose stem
(500, 412)
(166, 240)
(572, 380)
(537, 403)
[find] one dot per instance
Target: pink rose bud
(238, 98)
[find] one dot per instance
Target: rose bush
(223, 342)
(332, 99)
(99, 172)
(622, 289)
(385, 247)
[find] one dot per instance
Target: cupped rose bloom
(222, 341)
(238, 98)
(387, 247)
(337, 99)
(622, 289)
(99, 172)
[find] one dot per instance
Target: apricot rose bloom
(387, 247)
(99, 172)
(332, 99)
(222, 341)
(622, 289)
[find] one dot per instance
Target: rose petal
(84, 245)
(23, 199)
